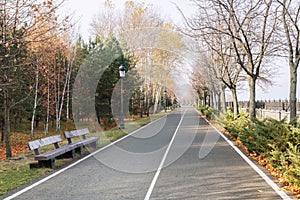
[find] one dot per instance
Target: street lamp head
(122, 71)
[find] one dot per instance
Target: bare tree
(199, 85)
(224, 63)
(105, 23)
(290, 14)
(249, 25)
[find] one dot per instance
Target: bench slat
(44, 142)
(86, 141)
(34, 144)
(51, 140)
(76, 133)
(56, 152)
(47, 159)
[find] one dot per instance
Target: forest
(43, 60)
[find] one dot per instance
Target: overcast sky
(86, 9)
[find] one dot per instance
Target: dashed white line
(154, 180)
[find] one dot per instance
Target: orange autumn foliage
(18, 143)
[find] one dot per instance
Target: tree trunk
(218, 97)
(212, 100)
(57, 99)
(2, 130)
(69, 71)
(157, 99)
(37, 120)
(223, 100)
(48, 107)
(7, 124)
(252, 103)
(68, 99)
(60, 100)
(57, 115)
(208, 99)
(147, 101)
(235, 102)
(293, 91)
(62, 103)
(205, 102)
(35, 101)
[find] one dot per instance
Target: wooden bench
(47, 159)
(84, 142)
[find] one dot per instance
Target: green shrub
(292, 170)
(236, 125)
(276, 141)
(206, 111)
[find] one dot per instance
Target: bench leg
(93, 145)
(79, 150)
(69, 154)
(47, 163)
(34, 165)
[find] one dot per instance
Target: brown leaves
(48, 2)
(19, 145)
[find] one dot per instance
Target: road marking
(76, 163)
(154, 180)
(275, 187)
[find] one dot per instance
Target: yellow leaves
(129, 3)
(108, 4)
(168, 26)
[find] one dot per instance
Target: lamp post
(122, 75)
(165, 99)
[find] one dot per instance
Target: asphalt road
(177, 157)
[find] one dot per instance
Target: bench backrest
(76, 133)
(36, 144)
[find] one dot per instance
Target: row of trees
(41, 57)
(242, 40)
(33, 61)
(153, 42)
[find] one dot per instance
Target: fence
(268, 105)
(274, 114)
(276, 109)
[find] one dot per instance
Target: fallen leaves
(18, 145)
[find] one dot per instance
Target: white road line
(154, 180)
(275, 187)
(75, 163)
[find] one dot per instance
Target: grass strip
(16, 172)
